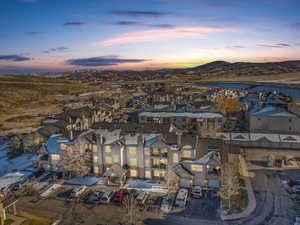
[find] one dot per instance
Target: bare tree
(135, 210)
(76, 163)
(172, 181)
(229, 182)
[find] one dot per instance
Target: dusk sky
(62, 35)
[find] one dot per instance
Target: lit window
(198, 168)
(107, 148)
(186, 153)
(155, 161)
(147, 151)
(164, 161)
(147, 163)
(96, 169)
(95, 159)
(55, 157)
(156, 173)
(155, 151)
(164, 150)
(133, 162)
(95, 149)
(131, 150)
(133, 173)
(116, 158)
(108, 160)
(63, 146)
(175, 158)
(148, 174)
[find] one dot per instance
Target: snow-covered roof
(197, 115)
(53, 144)
(112, 137)
(85, 180)
(205, 159)
(256, 137)
(19, 163)
(273, 111)
(13, 178)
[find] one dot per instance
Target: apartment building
(184, 119)
(139, 155)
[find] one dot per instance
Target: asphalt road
(274, 206)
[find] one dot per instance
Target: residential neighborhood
(201, 154)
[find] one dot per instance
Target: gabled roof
(182, 172)
(206, 158)
(273, 111)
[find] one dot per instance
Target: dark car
(94, 197)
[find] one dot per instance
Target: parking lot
(204, 208)
(104, 203)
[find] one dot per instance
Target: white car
(142, 197)
(197, 192)
(78, 191)
(107, 196)
(181, 197)
(296, 188)
(297, 222)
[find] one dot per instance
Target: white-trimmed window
(95, 159)
(96, 169)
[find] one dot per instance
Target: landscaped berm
(32, 219)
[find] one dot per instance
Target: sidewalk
(250, 193)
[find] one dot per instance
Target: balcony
(160, 155)
(160, 166)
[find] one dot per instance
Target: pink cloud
(162, 34)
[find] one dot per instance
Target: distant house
(273, 119)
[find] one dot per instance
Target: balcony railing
(160, 166)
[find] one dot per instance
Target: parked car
(142, 197)
(297, 222)
(197, 192)
(107, 196)
(94, 197)
(78, 191)
(120, 195)
(296, 188)
(45, 177)
(166, 204)
(181, 197)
